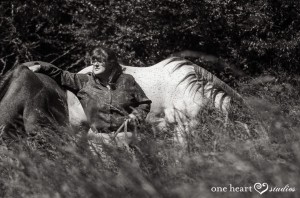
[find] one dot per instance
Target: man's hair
(103, 54)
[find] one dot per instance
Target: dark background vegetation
(252, 35)
(256, 38)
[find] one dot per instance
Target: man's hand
(35, 68)
(134, 118)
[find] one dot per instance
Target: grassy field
(217, 158)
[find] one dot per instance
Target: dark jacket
(106, 107)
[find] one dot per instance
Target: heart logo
(261, 188)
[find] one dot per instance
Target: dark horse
(30, 102)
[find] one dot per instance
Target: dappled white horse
(178, 89)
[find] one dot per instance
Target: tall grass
(251, 148)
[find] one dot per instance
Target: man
(108, 96)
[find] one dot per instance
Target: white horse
(178, 89)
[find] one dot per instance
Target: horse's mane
(201, 76)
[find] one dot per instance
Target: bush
(254, 35)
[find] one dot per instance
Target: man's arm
(71, 81)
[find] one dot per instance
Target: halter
(124, 125)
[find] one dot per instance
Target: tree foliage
(252, 35)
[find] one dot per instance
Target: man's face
(98, 67)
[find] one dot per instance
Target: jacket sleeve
(71, 81)
(143, 102)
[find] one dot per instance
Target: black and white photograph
(149, 98)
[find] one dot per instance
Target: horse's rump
(30, 102)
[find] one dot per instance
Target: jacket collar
(112, 79)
